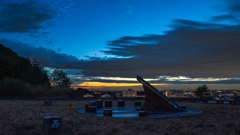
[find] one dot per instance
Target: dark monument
(156, 105)
(155, 100)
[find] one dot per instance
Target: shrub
(37, 90)
(17, 87)
(13, 87)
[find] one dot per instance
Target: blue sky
(101, 41)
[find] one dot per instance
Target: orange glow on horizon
(75, 87)
(102, 84)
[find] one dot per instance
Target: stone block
(142, 113)
(92, 109)
(48, 102)
(137, 103)
(121, 103)
(107, 112)
(99, 103)
(86, 107)
(108, 103)
(92, 103)
(52, 125)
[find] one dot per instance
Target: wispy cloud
(192, 48)
(160, 80)
(26, 17)
(193, 52)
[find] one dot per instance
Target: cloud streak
(47, 57)
(26, 17)
(193, 52)
(192, 48)
(161, 80)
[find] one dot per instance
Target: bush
(13, 87)
(202, 91)
(16, 87)
(79, 92)
(37, 90)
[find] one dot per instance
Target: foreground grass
(26, 117)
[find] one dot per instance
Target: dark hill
(14, 66)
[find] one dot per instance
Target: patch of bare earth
(26, 117)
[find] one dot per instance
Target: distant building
(106, 95)
(88, 95)
(119, 93)
(140, 93)
(130, 93)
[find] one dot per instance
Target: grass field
(26, 118)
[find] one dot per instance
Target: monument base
(131, 111)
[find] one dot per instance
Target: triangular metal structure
(155, 100)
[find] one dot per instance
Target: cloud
(233, 6)
(47, 57)
(45, 33)
(49, 42)
(26, 17)
(225, 17)
(193, 49)
(203, 52)
(195, 24)
(231, 12)
(164, 80)
(33, 35)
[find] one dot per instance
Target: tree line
(21, 77)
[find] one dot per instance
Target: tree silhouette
(36, 74)
(60, 79)
(18, 74)
(202, 91)
(14, 66)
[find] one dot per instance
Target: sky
(106, 44)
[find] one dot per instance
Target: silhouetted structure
(155, 100)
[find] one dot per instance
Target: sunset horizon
(106, 44)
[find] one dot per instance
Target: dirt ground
(26, 118)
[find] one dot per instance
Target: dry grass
(26, 117)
